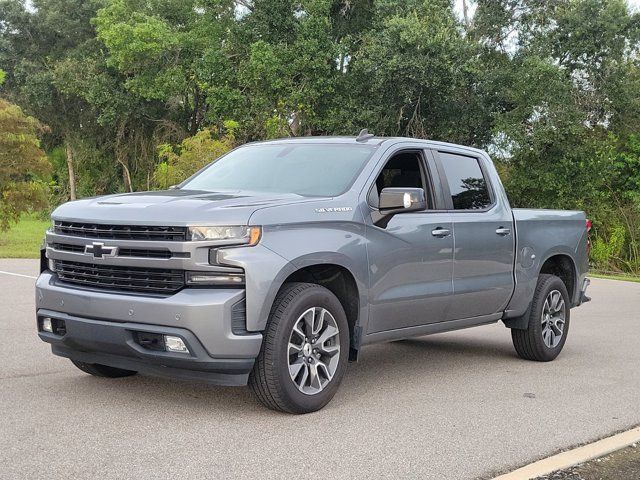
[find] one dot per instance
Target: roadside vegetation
(24, 239)
(615, 276)
(131, 95)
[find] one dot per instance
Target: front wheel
(548, 326)
(304, 352)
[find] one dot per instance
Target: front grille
(129, 279)
(122, 252)
(121, 232)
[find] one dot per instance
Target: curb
(573, 457)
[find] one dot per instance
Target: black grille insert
(124, 232)
(67, 247)
(239, 318)
(130, 279)
(122, 252)
(145, 253)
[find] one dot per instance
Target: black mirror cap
(402, 200)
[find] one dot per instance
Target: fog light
(46, 325)
(175, 344)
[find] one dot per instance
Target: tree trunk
(122, 158)
(465, 13)
(72, 172)
(126, 175)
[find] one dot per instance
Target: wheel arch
(342, 283)
(560, 264)
(564, 267)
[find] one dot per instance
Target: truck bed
(540, 235)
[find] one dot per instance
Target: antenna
(364, 135)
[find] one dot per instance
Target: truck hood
(174, 207)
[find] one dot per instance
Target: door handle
(503, 231)
(440, 232)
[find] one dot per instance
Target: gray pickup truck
(278, 262)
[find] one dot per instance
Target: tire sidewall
(316, 296)
(551, 283)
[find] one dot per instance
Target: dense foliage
(22, 164)
(139, 94)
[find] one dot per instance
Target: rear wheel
(548, 325)
(99, 370)
(305, 350)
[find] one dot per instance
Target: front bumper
(100, 328)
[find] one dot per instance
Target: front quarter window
(305, 169)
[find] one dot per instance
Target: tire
(99, 370)
(540, 341)
(290, 374)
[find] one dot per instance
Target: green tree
(416, 74)
(194, 153)
(569, 109)
(171, 52)
(34, 39)
(22, 165)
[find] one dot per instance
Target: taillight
(589, 225)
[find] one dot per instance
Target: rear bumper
(101, 328)
(582, 298)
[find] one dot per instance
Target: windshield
(323, 170)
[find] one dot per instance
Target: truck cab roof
(375, 140)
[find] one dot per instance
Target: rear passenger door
(483, 235)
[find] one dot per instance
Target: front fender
(284, 250)
(325, 243)
(265, 272)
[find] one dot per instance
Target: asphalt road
(448, 406)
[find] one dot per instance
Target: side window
(466, 182)
(402, 170)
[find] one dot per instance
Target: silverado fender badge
(333, 209)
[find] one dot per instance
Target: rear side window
(467, 184)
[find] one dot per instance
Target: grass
(616, 276)
(23, 240)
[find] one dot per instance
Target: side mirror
(401, 200)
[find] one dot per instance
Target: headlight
(230, 235)
(214, 278)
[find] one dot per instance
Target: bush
(194, 153)
(606, 253)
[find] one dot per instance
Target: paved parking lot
(448, 406)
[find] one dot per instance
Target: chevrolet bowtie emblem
(98, 250)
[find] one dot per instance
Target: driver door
(411, 254)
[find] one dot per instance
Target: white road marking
(18, 274)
